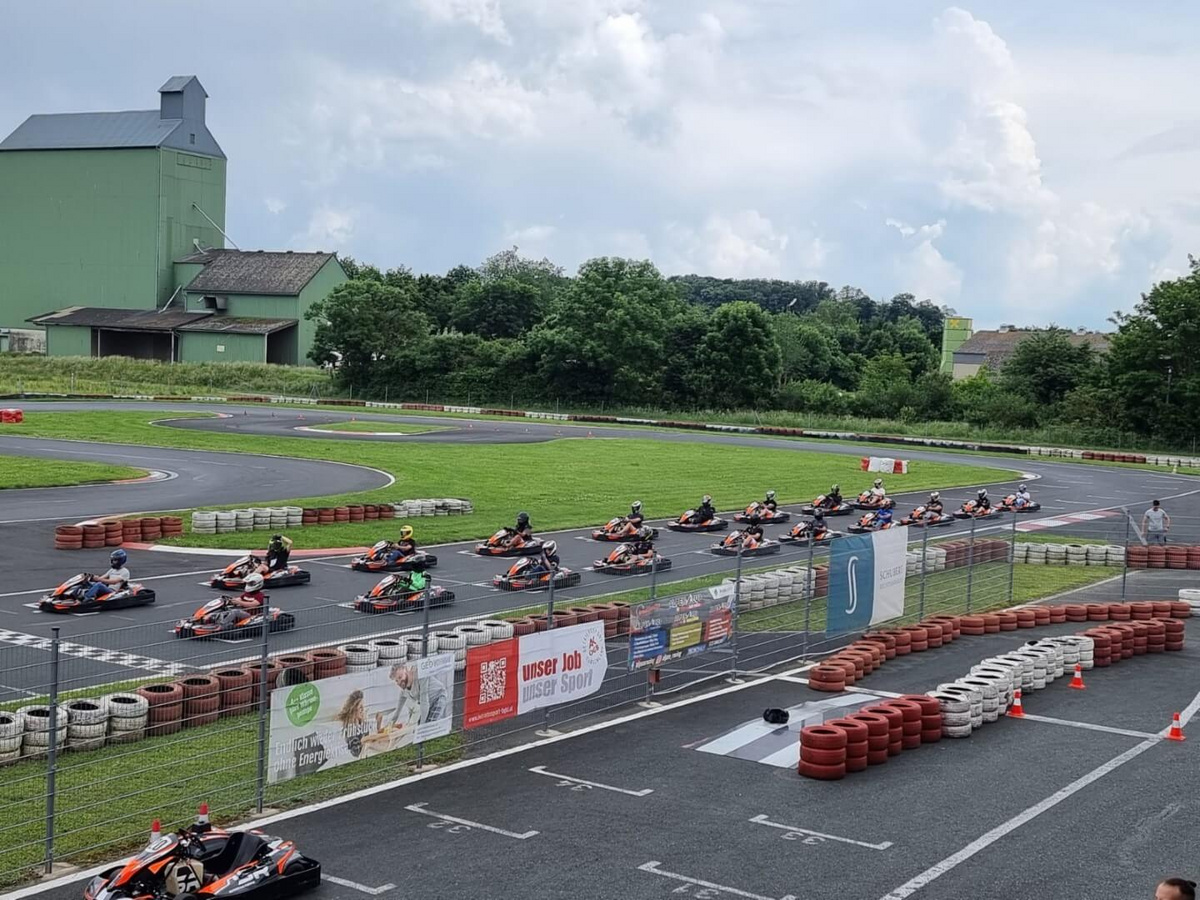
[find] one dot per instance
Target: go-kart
(871, 522)
(828, 507)
(760, 512)
(923, 517)
(378, 559)
(233, 576)
(526, 575)
(692, 521)
(398, 593)
(972, 510)
(869, 500)
(1009, 504)
(201, 861)
(804, 533)
(621, 529)
(507, 542)
(623, 561)
(71, 596)
(230, 617)
(745, 544)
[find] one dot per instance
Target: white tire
(449, 640)
(360, 654)
(85, 711)
(1087, 664)
(497, 630)
(354, 670)
(127, 724)
(460, 655)
(41, 739)
(991, 715)
(954, 719)
(965, 691)
(460, 665)
(11, 743)
(84, 732)
(123, 705)
(37, 719)
(987, 688)
(475, 635)
(11, 724)
(414, 643)
(1189, 595)
(390, 648)
(956, 731)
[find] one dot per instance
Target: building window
(192, 138)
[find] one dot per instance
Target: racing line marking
(541, 770)
(1088, 726)
(763, 820)
(420, 808)
(355, 886)
(652, 868)
(98, 654)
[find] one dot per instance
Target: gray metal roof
(239, 325)
(178, 83)
(111, 130)
(120, 319)
(254, 271)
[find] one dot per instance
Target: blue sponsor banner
(670, 628)
(851, 584)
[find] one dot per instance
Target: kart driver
(884, 516)
(548, 560)
(877, 490)
(641, 546)
(705, 511)
(522, 528)
(635, 517)
(116, 576)
(933, 506)
(753, 532)
(834, 498)
(818, 523)
(404, 547)
(252, 592)
(770, 503)
(982, 503)
(278, 552)
(1023, 497)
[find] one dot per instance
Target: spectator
(1175, 889)
(1156, 523)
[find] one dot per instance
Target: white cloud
(742, 245)
(328, 229)
(922, 269)
(274, 205)
(482, 14)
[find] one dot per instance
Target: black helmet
(522, 518)
(636, 506)
(818, 516)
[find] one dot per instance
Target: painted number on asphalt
(450, 827)
(700, 893)
(810, 839)
(570, 785)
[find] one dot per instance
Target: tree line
(619, 334)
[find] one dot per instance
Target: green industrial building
(112, 242)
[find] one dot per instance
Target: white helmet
(936, 495)
(254, 582)
(878, 482)
(770, 495)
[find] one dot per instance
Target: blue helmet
(117, 558)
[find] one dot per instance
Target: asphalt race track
(629, 808)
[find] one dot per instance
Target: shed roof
(994, 348)
(120, 319)
(254, 271)
(238, 325)
(111, 131)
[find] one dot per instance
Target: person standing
(1155, 524)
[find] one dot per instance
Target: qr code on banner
(493, 680)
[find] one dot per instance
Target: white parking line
(763, 820)
(1088, 726)
(362, 888)
(420, 808)
(567, 779)
(652, 868)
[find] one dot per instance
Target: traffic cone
(1017, 712)
(1077, 680)
(202, 818)
(155, 831)
(1175, 732)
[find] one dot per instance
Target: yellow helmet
(406, 532)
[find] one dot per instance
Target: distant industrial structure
(963, 357)
(112, 243)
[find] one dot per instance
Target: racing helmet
(522, 519)
(406, 532)
(117, 558)
(1023, 488)
(707, 498)
(936, 495)
(770, 495)
(276, 539)
(253, 583)
(878, 482)
(982, 493)
(818, 516)
(550, 548)
(636, 506)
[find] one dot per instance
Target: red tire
(856, 732)
(856, 764)
(823, 737)
(876, 724)
(991, 623)
(929, 705)
(911, 728)
(877, 757)
(895, 748)
(879, 741)
(1097, 612)
(1008, 620)
(1173, 645)
(931, 735)
(822, 757)
(911, 741)
(161, 694)
(1181, 610)
(932, 723)
(909, 711)
(822, 773)
(894, 717)
(857, 750)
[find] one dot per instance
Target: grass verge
(371, 427)
(562, 484)
(30, 472)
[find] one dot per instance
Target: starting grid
(1073, 519)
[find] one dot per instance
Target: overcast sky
(1020, 161)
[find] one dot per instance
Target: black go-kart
(972, 510)
(828, 507)
(761, 513)
(923, 517)
(233, 576)
(803, 533)
(507, 542)
(623, 561)
(201, 861)
(233, 619)
(1009, 504)
(871, 522)
(379, 559)
(399, 592)
(746, 545)
(868, 500)
(71, 596)
(621, 529)
(526, 575)
(693, 521)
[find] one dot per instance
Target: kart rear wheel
(283, 622)
(570, 579)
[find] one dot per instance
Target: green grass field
(30, 472)
(379, 427)
(562, 484)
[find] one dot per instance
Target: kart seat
(240, 849)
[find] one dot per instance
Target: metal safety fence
(104, 730)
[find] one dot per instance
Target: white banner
(560, 665)
(322, 724)
(891, 549)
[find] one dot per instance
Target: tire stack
(36, 738)
(114, 532)
(201, 700)
(294, 668)
(166, 708)
(473, 636)
(325, 515)
(131, 530)
(359, 657)
(878, 734)
(386, 511)
(12, 736)
(261, 518)
(416, 647)
(328, 662)
(128, 715)
(93, 536)
(356, 512)
(236, 692)
(226, 521)
(390, 651)
(172, 526)
(502, 631)
(151, 528)
(823, 752)
(68, 537)
(856, 743)
(308, 518)
(453, 641)
(341, 514)
(1191, 597)
(256, 669)
(87, 724)
(204, 522)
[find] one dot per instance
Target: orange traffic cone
(155, 831)
(1175, 732)
(1017, 712)
(1077, 681)
(202, 823)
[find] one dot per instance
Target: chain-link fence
(103, 731)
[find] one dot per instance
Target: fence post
(425, 599)
(810, 589)
(653, 574)
(970, 563)
(1125, 555)
(1012, 558)
(264, 706)
(737, 603)
(546, 729)
(52, 751)
(924, 571)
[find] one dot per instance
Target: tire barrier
(286, 518)
(115, 532)
(11, 416)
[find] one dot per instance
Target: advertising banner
(670, 628)
(516, 676)
(866, 579)
(319, 725)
